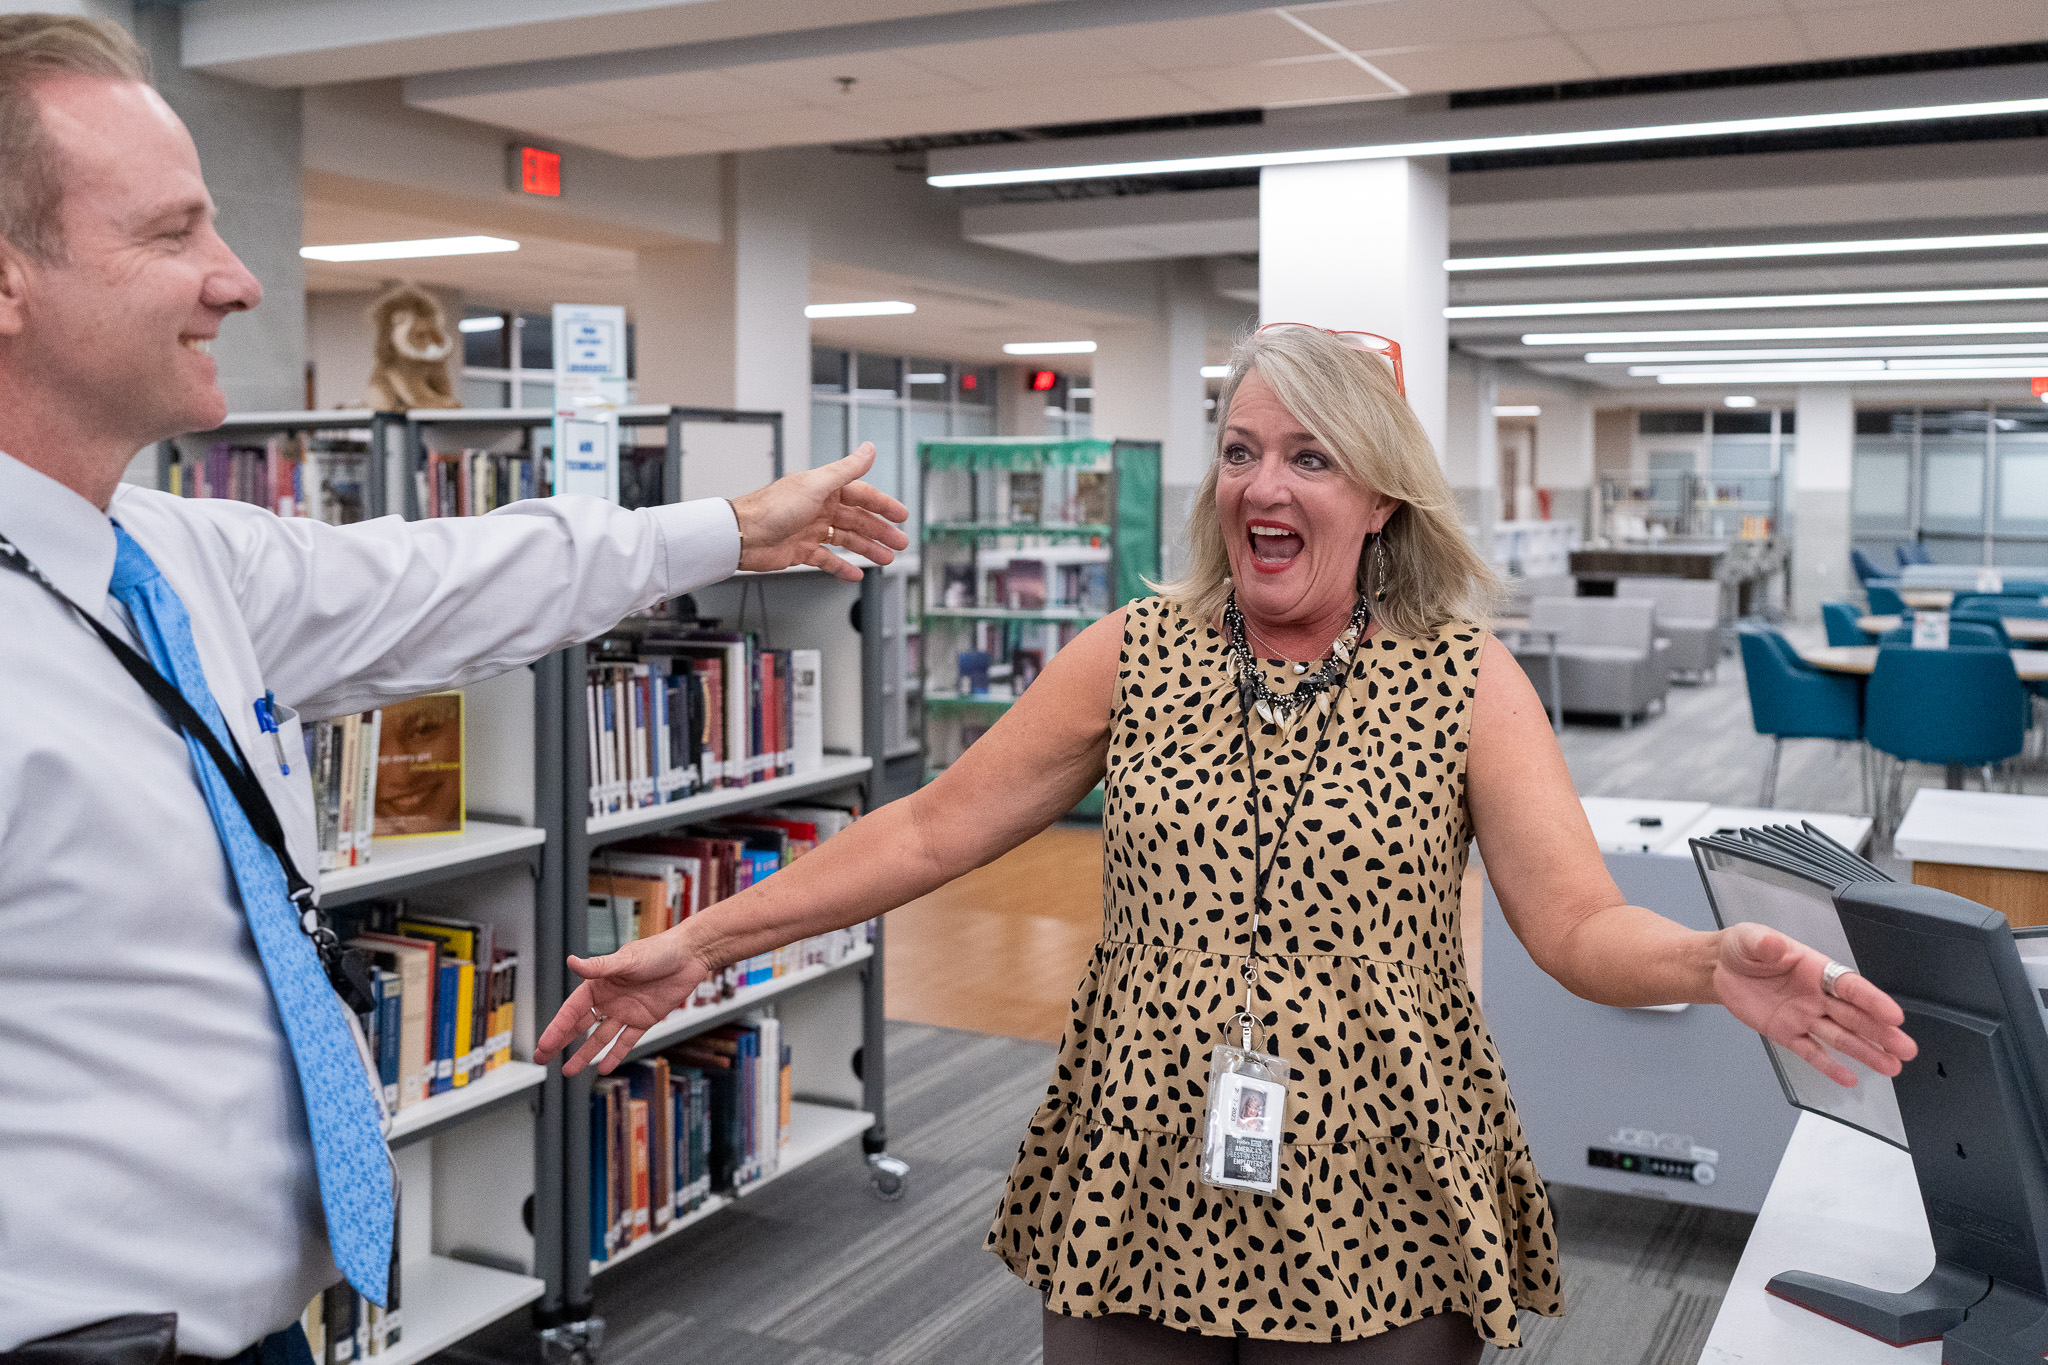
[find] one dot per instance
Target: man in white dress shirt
(154, 1148)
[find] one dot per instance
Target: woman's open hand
(1773, 984)
(622, 996)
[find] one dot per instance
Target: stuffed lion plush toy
(414, 343)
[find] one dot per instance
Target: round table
(1927, 599)
(2030, 664)
(2027, 628)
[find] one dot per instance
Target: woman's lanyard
(1261, 876)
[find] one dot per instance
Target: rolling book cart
(495, 1175)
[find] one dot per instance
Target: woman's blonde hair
(1345, 397)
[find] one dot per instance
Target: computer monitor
(1972, 1104)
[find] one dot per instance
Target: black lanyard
(347, 970)
(1261, 876)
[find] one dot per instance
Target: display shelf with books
(1030, 541)
(328, 465)
(398, 865)
(448, 1299)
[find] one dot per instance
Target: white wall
(342, 348)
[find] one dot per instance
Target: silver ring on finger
(1830, 975)
(830, 531)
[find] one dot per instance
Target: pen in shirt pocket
(266, 718)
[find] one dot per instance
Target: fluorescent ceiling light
(1808, 353)
(1080, 393)
(1910, 329)
(1738, 400)
(1743, 253)
(1539, 310)
(935, 377)
(1939, 365)
(879, 308)
(1589, 137)
(1517, 410)
(1048, 347)
(490, 324)
(1215, 372)
(1757, 376)
(402, 251)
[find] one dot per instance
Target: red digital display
(1042, 380)
(540, 172)
(968, 381)
(2040, 385)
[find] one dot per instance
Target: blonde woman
(1298, 744)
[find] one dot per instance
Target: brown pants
(1126, 1339)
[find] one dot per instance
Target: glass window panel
(536, 395)
(1786, 422)
(975, 422)
(2023, 419)
(978, 385)
(1881, 485)
(1884, 421)
(1742, 423)
(828, 433)
(484, 393)
(929, 379)
(485, 348)
(884, 426)
(1745, 454)
(1952, 485)
(1953, 421)
(1671, 423)
(828, 370)
(537, 342)
(878, 374)
(927, 422)
(2022, 483)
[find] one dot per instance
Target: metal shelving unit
(381, 433)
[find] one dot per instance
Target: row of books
(444, 993)
(469, 483)
(669, 717)
(1027, 584)
(710, 1114)
(641, 887)
(343, 1327)
(324, 479)
(341, 755)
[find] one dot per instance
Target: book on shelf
(707, 1115)
(341, 757)
(672, 715)
(294, 476)
(342, 1326)
(420, 766)
(1025, 585)
(640, 887)
(445, 992)
(470, 483)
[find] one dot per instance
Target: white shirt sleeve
(344, 618)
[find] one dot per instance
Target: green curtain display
(1015, 452)
(1137, 518)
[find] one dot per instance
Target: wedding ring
(1831, 974)
(829, 532)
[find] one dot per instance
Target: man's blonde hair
(35, 48)
(1345, 397)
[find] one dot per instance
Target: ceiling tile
(791, 126)
(1482, 66)
(1140, 96)
(1579, 16)
(1273, 83)
(1923, 27)
(1694, 47)
(1406, 23)
(682, 94)
(1252, 37)
(999, 62)
(651, 137)
(876, 75)
(549, 110)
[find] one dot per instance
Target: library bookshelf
(494, 1184)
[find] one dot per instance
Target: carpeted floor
(814, 1270)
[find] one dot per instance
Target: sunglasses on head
(1385, 347)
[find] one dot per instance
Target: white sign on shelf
(587, 452)
(590, 384)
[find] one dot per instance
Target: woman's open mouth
(1274, 545)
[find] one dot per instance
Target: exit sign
(535, 171)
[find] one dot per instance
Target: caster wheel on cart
(889, 1175)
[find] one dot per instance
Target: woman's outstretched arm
(1029, 769)
(1554, 890)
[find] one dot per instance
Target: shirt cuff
(700, 543)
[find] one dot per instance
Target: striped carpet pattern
(814, 1270)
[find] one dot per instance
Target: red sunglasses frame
(1390, 349)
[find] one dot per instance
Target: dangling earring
(1379, 566)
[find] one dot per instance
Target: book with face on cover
(420, 767)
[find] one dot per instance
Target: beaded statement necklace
(1275, 707)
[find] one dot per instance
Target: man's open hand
(802, 517)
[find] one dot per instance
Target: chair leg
(1863, 770)
(1769, 796)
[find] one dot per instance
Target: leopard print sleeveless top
(1406, 1186)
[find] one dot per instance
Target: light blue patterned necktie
(348, 1142)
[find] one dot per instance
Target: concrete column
(1470, 451)
(1019, 411)
(1564, 458)
(1148, 386)
(1360, 246)
(249, 148)
(1826, 416)
(723, 326)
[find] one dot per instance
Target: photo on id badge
(1248, 1155)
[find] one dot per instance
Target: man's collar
(66, 537)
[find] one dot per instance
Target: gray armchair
(1609, 658)
(1688, 615)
